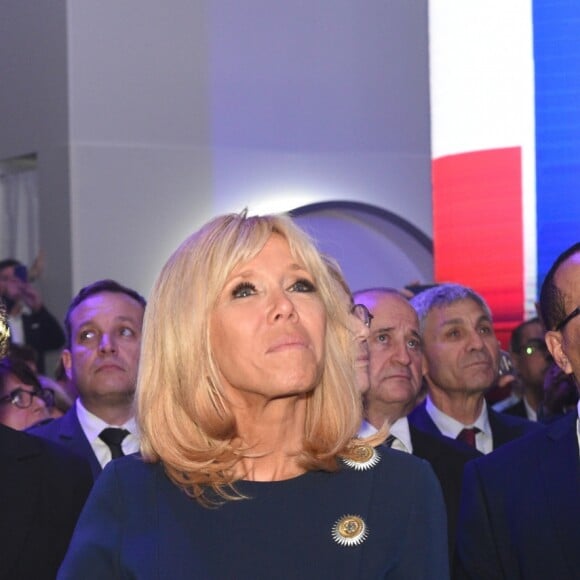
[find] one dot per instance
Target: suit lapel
(421, 419)
(502, 432)
(421, 446)
(71, 435)
(560, 469)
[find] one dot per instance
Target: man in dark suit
(29, 320)
(395, 380)
(103, 326)
(531, 360)
(520, 507)
(504, 428)
(42, 491)
(461, 363)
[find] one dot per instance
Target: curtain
(19, 219)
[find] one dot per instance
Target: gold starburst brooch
(350, 530)
(361, 456)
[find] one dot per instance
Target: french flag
(505, 114)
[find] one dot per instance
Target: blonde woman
(248, 408)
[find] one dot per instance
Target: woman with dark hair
(248, 408)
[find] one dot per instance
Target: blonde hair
(337, 275)
(184, 417)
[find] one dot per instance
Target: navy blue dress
(138, 524)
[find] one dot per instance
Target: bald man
(395, 348)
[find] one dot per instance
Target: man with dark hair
(520, 506)
(461, 363)
(531, 360)
(98, 287)
(29, 321)
(552, 300)
(103, 326)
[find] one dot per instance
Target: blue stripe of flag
(557, 105)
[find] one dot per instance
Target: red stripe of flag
(478, 229)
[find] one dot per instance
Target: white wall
(323, 100)
(141, 161)
(181, 110)
(175, 111)
(34, 119)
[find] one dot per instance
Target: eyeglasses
(363, 314)
(533, 346)
(22, 398)
(572, 314)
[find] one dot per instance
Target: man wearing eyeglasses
(532, 360)
(520, 506)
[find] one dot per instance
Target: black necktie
(113, 437)
(390, 440)
(467, 436)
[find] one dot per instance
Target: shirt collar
(93, 425)
(366, 429)
(400, 429)
(531, 413)
(450, 427)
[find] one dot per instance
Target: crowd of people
(257, 419)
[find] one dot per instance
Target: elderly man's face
(565, 344)
(396, 357)
(460, 347)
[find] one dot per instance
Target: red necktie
(467, 436)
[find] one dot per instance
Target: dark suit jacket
(520, 509)
(42, 332)
(42, 491)
(504, 428)
(447, 458)
(517, 410)
(67, 431)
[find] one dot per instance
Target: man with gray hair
(461, 363)
(395, 348)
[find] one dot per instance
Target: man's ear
(554, 343)
(67, 363)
